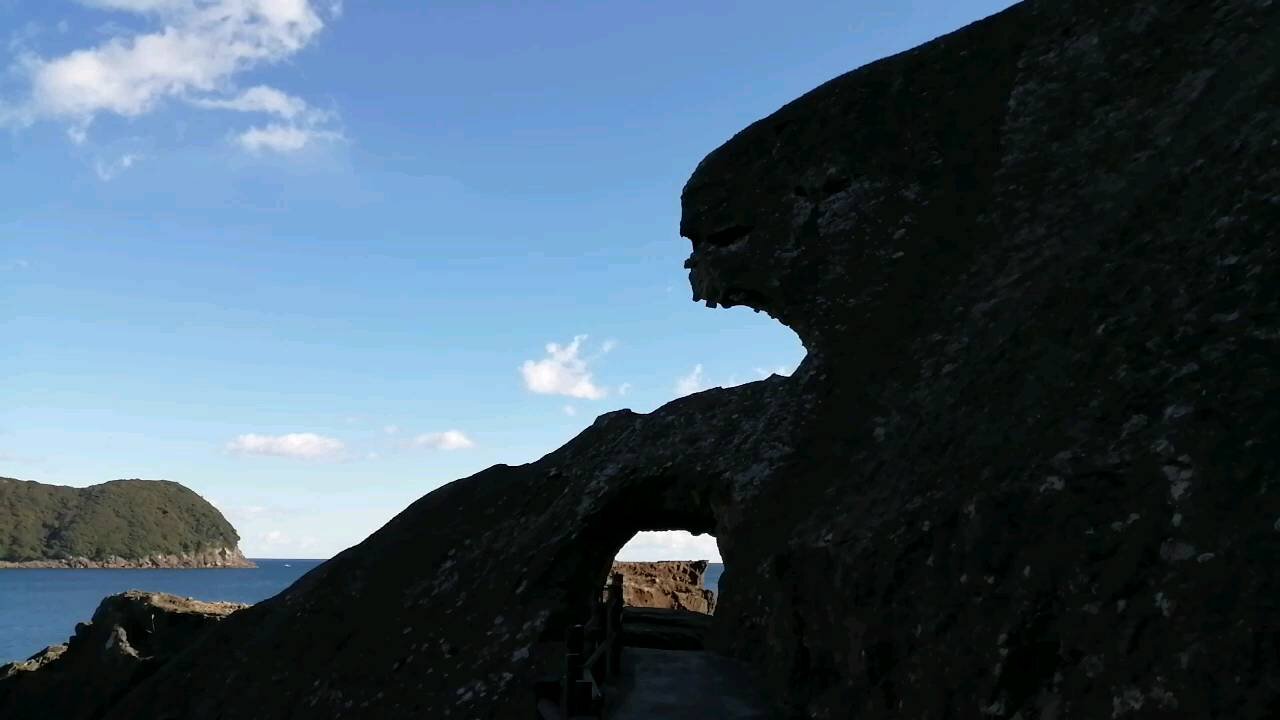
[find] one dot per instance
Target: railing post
(572, 669)
(596, 635)
(613, 634)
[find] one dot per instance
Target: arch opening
(670, 570)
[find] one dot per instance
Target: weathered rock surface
(669, 584)
(208, 558)
(1027, 470)
(130, 636)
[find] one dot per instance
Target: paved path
(683, 685)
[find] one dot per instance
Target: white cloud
(391, 429)
(308, 446)
(260, 99)
(691, 383)
(563, 372)
(624, 388)
(107, 171)
(570, 410)
(447, 440)
(670, 545)
(282, 138)
(196, 48)
(777, 370)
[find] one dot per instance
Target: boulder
(673, 584)
(130, 636)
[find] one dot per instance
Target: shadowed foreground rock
(130, 635)
(1027, 470)
(668, 584)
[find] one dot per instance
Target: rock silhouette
(1028, 468)
(131, 634)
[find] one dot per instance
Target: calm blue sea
(39, 608)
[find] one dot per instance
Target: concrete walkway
(683, 685)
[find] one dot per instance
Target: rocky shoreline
(131, 634)
(134, 633)
(213, 558)
(666, 584)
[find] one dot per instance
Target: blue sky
(315, 259)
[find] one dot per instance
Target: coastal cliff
(1026, 470)
(666, 584)
(117, 524)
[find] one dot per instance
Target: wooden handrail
(580, 693)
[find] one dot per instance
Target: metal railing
(593, 655)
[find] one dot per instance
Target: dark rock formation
(129, 637)
(1027, 470)
(672, 584)
(117, 524)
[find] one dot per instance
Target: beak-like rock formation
(1027, 470)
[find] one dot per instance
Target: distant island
(117, 524)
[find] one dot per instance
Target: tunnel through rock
(670, 570)
(661, 582)
(671, 505)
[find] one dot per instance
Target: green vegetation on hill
(125, 518)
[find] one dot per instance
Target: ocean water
(39, 608)
(712, 578)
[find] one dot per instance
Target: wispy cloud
(273, 542)
(282, 138)
(564, 371)
(308, 446)
(108, 170)
(624, 388)
(776, 370)
(195, 52)
(9, 457)
(260, 99)
(447, 440)
(570, 410)
(391, 429)
(691, 383)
